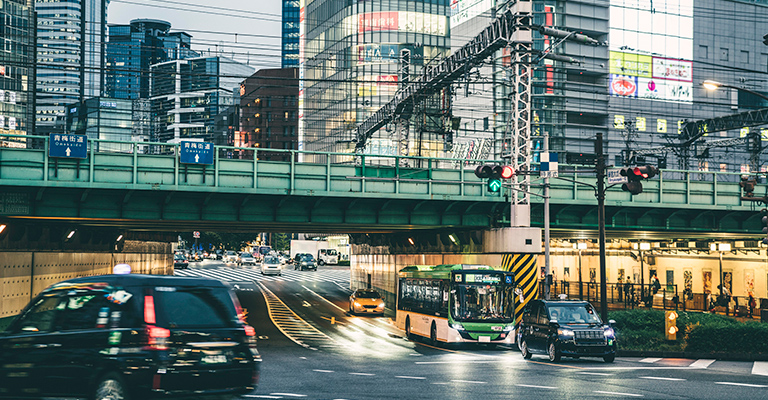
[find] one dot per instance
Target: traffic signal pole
(547, 274)
(600, 193)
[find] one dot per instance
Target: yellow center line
(336, 321)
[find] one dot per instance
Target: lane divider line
(760, 368)
(741, 384)
(293, 324)
(535, 386)
(410, 377)
(660, 378)
(619, 393)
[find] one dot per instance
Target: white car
(246, 259)
(271, 266)
(230, 257)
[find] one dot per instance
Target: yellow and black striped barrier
(524, 267)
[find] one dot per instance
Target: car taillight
(157, 337)
(249, 331)
(149, 309)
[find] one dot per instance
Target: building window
(744, 57)
(703, 52)
(723, 54)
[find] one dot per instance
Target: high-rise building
(133, 48)
(187, 95)
(17, 69)
(290, 36)
(350, 56)
(270, 107)
(70, 57)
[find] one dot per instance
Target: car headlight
(357, 304)
(609, 332)
(303, 263)
(382, 304)
(565, 332)
(509, 328)
(458, 327)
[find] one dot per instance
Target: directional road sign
(196, 153)
(614, 176)
(67, 146)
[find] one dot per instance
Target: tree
(281, 242)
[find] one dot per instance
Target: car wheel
(524, 350)
(110, 387)
(320, 262)
(554, 353)
(433, 334)
(609, 359)
(408, 333)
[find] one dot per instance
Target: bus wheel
(433, 334)
(408, 328)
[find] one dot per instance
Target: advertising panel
(402, 21)
(623, 86)
(375, 85)
(377, 21)
(630, 64)
(464, 10)
(666, 68)
(387, 54)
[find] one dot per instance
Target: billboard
(401, 21)
(651, 43)
(464, 10)
(387, 54)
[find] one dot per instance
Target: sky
(249, 30)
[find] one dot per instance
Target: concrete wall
(24, 274)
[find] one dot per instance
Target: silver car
(271, 266)
(246, 259)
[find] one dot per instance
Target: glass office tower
(349, 54)
(290, 45)
(17, 69)
(70, 57)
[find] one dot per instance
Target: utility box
(763, 315)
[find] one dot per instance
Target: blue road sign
(196, 153)
(68, 146)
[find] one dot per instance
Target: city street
(313, 349)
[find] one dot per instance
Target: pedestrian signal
(670, 325)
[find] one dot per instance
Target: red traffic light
(507, 172)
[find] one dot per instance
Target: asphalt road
(313, 349)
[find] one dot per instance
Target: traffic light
(748, 184)
(634, 177)
(764, 220)
(495, 174)
(670, 325)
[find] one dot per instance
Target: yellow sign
(640, 124)
(630, 64)
(744, 132)
(661, 125)
(618, 121)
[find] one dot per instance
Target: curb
(694, 355)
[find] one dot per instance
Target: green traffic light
(494, 185)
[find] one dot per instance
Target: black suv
(129, 337)
(565, 328)
(304, 261)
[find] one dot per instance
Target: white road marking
(760, 368)
(323, 370)
(595, 373)
(460, 362)
(440, 383)
(662, 378)
(410, 377)
(741, 384)
(415, 354)
(535, 386)
(461, 381)
(289, 394)
(619, 393)
(361, 374)
(649, 360)
(262, 396)
(701, 364)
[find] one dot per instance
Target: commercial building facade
(106, 119)
(186, 95)
(270, 107)
(70, 57)
(349, 56)
(290, 34)
(17, 72)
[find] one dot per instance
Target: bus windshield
(483, 303)
(264, 250)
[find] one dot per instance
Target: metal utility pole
(547, 274)
(600, 170)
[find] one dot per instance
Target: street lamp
(642, 247)
(714, 85)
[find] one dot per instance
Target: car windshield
(483, 302)
(271, 260)
(573, 313)
(231, 253)
(179, 257)
(246, 255)
(306, 257)
(368, 294)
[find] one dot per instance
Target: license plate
(218, 359)
(484, 339)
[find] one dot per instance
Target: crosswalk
(335, 276)
(740, 367)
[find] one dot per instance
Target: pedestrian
(726, 299)
(619, 288)
(751, 304)
(656, 284)
(712, 305)
(627, 286)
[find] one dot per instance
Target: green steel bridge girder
(157, 193)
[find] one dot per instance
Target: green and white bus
(457, 303)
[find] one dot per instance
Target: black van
(567, 328)
(130, 337)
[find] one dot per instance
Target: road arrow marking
(68, 151)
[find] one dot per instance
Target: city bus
(457, 303)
